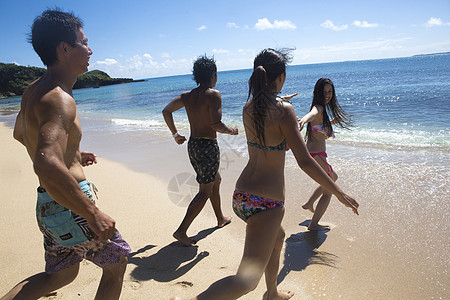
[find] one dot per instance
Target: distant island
(14, 79)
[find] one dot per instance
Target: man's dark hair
(50, 29)
(204, 69)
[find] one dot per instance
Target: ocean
(396, 104)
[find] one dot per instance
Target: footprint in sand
(185, 284)
(51, 295)
(134, 284)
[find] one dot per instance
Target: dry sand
(365, 257)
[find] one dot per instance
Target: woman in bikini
(269, 124)
(318, 130)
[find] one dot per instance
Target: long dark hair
(267, 66)
(341, 118)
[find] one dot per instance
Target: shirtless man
(204, 110)
(49, 127)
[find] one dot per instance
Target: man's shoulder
(56, 95)
(213, 95)
(52, 102)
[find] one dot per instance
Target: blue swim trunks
(68, 239)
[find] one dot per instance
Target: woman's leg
(262, 232)
(324, 201)
(271, 271)
(315, 195)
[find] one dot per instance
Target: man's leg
(215, 201)
(42, 284)
(195, 207)
(110, 285)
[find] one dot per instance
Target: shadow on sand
(302, 251)
(164, 266)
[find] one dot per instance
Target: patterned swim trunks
(68, 239)
(204, 155)
(246, 205)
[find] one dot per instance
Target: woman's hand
(301, 123)
(288, 97)
(349, 201)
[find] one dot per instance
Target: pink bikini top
(327, 132)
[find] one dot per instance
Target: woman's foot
(318, 227)
(281, 295)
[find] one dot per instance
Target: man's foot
(223, 222)
(318, 227)
(282, 295)
(183, 238)
(309, 207)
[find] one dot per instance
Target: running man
(204, 110)
(74, 228)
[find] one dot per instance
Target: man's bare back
(200, 104)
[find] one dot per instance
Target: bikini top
(279, 147)
(327, 132)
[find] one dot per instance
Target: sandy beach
(396, 249)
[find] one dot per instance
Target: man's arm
(174, 105)
(56, 115)
(215, 113)
(18, 127)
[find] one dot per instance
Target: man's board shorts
(68, 239)
(204, 155)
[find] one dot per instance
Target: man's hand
(88, 158)
(180, 139)
(102, 225)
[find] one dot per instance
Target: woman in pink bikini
(318, 130)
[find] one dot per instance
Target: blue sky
(142, 39)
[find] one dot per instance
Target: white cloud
(203, 27)
(142, 66)
(436, 22)
(378, 48)
(219, 51)
(107, 62)
(330, 25)
(232, 25)
(165, 55)
(264, 24)
(364, 24)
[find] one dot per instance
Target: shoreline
(380, 253)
